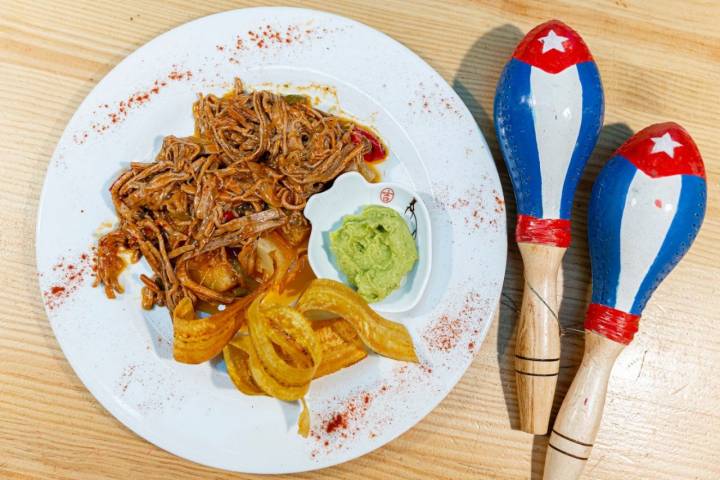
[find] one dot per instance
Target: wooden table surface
(660, 60)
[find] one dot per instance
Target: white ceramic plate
(124, 354)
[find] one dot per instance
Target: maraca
(548, 114)
(646, 209)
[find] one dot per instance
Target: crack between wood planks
(642, 364)
(595, 466)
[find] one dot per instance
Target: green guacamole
(375, 250)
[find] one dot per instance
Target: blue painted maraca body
(645, 211)
(534, 169)
(548, 114)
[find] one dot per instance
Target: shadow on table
(475, 82)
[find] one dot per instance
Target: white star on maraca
(665, 144)
(552, 41)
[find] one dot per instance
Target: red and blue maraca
(646, 209)
(548, 114)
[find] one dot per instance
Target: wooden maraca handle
(537, 347)
(577, 423)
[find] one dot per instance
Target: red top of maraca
(663, 149)
(553, 47)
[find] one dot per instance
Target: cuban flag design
(548, 111)
(646, 208)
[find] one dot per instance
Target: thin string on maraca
(553, 313)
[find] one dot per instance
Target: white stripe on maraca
(650, 207)
(557, 117)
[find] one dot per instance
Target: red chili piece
(229, 215)
(378, 150)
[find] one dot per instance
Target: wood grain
(659, 59)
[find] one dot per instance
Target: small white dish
(348, 196)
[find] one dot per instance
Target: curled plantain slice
(278, 355)
(197, 340)
(283, 328)
(345, 330)
(304, 420)
(377, 333)
(341, 346)
(237, 358)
